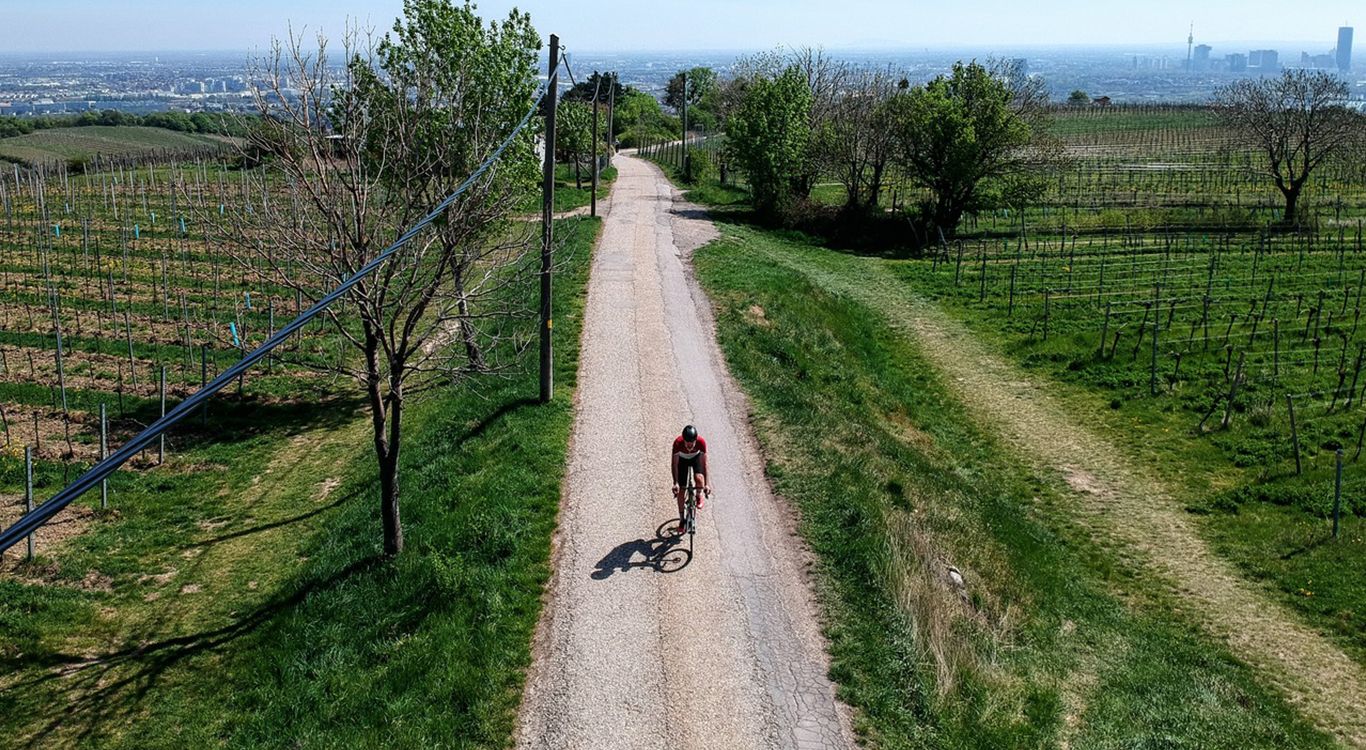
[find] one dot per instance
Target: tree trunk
(1292, 199)
(946, 217)
(467, 330)
(875, 189)
(388, 483)
(384, 416)
(578, 172)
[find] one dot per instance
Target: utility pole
(548, 219)
(612, 112)
(593, 198)
(684, 161)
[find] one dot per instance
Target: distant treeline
(199, 122)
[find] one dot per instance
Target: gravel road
(644, 644)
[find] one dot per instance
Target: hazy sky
(143, 25)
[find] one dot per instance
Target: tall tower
(1190, 46)
(1344, 49)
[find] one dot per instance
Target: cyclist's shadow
(666, 553)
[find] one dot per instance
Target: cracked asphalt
(645, 643)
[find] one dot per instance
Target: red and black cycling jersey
(682, 451)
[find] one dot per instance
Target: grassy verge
(895, 485)
(1240, 482)
(238, 598)
(572, 193)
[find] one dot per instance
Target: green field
(236, 595)
(1057, 642)
(84, 143)
(1168, 325)
(1094, 120)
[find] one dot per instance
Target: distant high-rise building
(1344, 51)
(1201, 60)
(1237, 63)
(1263, 60)
(1322, 62)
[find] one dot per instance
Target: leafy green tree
(602, 83)
(1296, 121)
(769, 137)
(972, 139)
(702, 92)
(701, 82)
(1078, 97)
(639, 117)
(12, 126)
(367, 149)
(574, 135)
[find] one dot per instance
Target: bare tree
(1296, 121)
(828, 80)
(361, 152)
(856, 141)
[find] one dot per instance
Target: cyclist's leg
(681, 479)
(700, 477)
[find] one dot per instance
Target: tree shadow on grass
(96, 690)
(1307, 547)
(233, 421)
(239, 533)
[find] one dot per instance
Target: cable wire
(41, 514)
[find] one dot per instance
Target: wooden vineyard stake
(1294, 433)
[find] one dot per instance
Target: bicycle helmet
(689, 433)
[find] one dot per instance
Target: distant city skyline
(617, 25)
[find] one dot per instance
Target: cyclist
(689, 451)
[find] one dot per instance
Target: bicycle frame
(690, 506)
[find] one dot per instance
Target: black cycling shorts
(695, 463)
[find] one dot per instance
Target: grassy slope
(279, 624)
(61, 144)
(1089, 121)
(1056, 652)
(1240, 482)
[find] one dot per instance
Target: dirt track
(1124, 505)
(641, 644)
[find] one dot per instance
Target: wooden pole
(28, 491)
(161, 440)
(593, 199)
(1152, 368)
(1294, 433)
(104, 453)
(547, 221)
(683, 162)
(1337, 494)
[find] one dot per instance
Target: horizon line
(879, 46)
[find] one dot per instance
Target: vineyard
(116, 302)
(1166, 276)
(108, 142)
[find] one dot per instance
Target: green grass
(1093, 121)
(1240, 481)
(568, 194)
(299, 634)
(64, 144)
(879, 457)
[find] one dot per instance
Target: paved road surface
(642, 646)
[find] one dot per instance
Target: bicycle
(690, 507)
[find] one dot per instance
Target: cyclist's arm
(673, 468)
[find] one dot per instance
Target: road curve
(640, 645)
